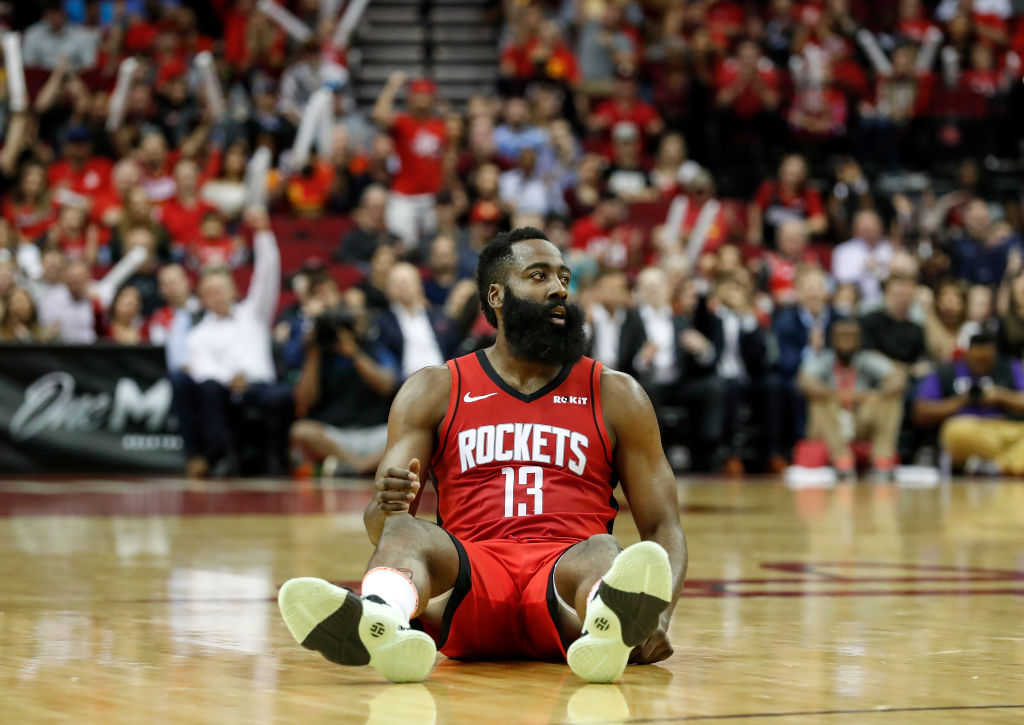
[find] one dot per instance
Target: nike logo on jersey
(473, 398)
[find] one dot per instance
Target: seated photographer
(345, 390)
(853, 394)
(977, 402)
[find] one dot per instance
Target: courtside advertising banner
(86, 409)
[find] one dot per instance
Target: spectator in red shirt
(421, 140)
(308, 190)
(901, 97)
(213, 247)
(781, 266)
(138, 212)
(252, 39)
(156, 163)
(818, 114)
(703, 214)
(747, 97)
(73, 234)
(79, 172)
(538, 51)
(108, 206)
(30, 208)
(747, 83)
(625, 105)
(782, 198)
(607, 238)
(182, 213)
(913, 23)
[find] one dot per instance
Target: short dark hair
(982, 338)
(492, 266)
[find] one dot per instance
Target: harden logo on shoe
(377, 629)
(601, 623)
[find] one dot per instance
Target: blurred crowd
(792, 221)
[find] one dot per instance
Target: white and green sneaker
(351, 630)
(623, 613)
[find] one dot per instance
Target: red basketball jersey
(510, 465)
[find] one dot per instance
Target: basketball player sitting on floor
(525, 442)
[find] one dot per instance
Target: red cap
(485, 211)
(423, 85)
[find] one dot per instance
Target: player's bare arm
(649, 485)
(413, 422)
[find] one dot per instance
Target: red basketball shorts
(503, 604)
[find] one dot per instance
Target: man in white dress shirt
(228, 359)
(70, 310)
(864, 260)
(415, 334)
(609, 315)
(676, 364)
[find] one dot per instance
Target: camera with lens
(330, 323)
(976, 393)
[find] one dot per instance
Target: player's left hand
(655, 648)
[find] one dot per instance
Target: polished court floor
(152, 601)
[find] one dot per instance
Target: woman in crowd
(19, 320)
(30, 208)
(126, 326)
(227, 190)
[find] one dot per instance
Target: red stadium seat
(303, 239)
(346, 275)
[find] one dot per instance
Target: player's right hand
(397, 488)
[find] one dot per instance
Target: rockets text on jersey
(511, 465)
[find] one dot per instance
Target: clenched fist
(397, 488)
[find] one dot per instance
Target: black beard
(533, 336)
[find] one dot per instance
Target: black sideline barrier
(86, 409)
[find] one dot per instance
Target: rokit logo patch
(50, 405)
(570, 400)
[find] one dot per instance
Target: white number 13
(535, 490)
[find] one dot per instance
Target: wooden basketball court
(153, 601)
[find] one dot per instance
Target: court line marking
(809, 713)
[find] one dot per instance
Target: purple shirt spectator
(956, 379)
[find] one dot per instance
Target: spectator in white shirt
(864, 260)
(609, 315)
(415, 334)
(676, 363)
(53, 38)
(527, 189)
(228, 361)
(52, 262)
(170, 324)
(70, 310)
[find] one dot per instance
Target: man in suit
(800, 330)
(414, 333)
(738, 336)
(676, 364)
(610, 315)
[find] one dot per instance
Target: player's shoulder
(430, 378)
(621, 391)
(425, 392)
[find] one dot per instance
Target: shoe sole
(351, 631)
(625, 611)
